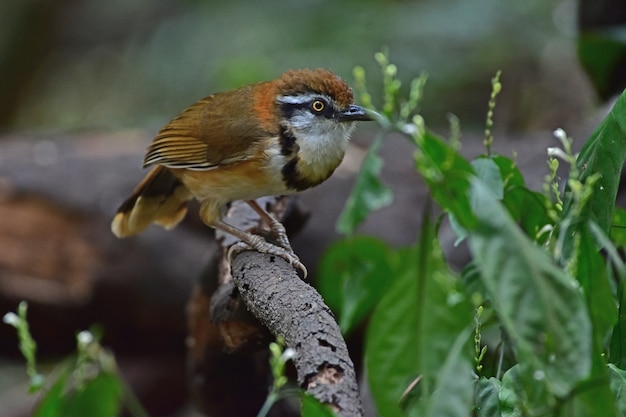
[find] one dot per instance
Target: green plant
(88, 384)
(533, 325)
(279, 357)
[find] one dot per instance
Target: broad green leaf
(592, 274)
(529, 210)
(368, 194)
(593, 397)
(487, 399)
(509, 394)
(539, 305)
(458, 230)
(453, 390)
(617, 378)
(311, 407)
(52, 401)
(470, 277)
(617, 353)
(99, 397)
(353, 276)
(510, 174)
(489, 172)
(599, 273)
(391, 344)
(618, 228)
(604, 153)
(524, 392)
(412, 333)
(446, 173)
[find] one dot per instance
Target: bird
(270, 138)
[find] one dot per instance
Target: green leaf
(509, 394)
(368, 194)
(524, 392)
(592, 274)
(489, 172)
(311, 407)
(353, 276)
(98, 397)
(618, 228)
(453, 389)
(487, 397)
(617, 353)
(598, 274)
(529, 210)
(446, 173)
(470, 277)
(510, 174)
(526, 207)
(413, 333)
(539, 305)
(51, 404)
(617, 378)
(593, 396)
(603, 154)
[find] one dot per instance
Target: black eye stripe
(312, 106)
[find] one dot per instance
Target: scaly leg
(277, 227)
(249, 240)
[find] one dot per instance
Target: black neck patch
(288, 143)
(293, 178)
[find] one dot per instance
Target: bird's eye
(318, 105)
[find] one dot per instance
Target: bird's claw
(265, 247)
(280, 235)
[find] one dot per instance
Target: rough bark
(294, 311)
(241, 301)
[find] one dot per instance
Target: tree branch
(281, 302)
(295, 311)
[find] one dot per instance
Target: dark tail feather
(160, 198)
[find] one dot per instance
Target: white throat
(322, 143)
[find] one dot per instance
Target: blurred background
(86, 84)
(68, 65)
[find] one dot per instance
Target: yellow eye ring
(318, 105)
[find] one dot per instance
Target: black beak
(353, 113)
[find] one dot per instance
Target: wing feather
(213, 132)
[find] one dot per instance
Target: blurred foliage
(89, 383)
(116, 64)
(602, 44)
(545, 281)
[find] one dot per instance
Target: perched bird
(271, 138)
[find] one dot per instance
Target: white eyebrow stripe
(301, 98)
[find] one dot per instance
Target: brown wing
(217, 130)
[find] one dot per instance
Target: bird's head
(317, 105)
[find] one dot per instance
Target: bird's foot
(277, 230)
(276, 236)
(261, 245)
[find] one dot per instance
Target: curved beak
(353, 113)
